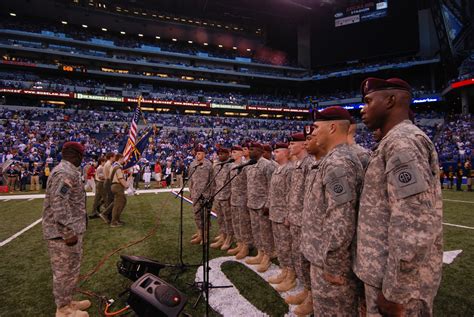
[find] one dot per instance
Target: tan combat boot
(80, 305)
(255, 259)
(305, 308)
(227, 243)
(288, 283)
(298, 298)
(67, 311)
(218, 237)
(198, 238)
(218, 243)
(264, 264)
(235, 250)
(278, 278)
(194, 236)
(244, 251)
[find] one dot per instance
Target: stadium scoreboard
(360, 11)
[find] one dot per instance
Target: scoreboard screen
(360, 11)
(72, 68)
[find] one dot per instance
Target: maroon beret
(308, 129)
(246, 144)
(236, 148)
(372, 84)
(280, 145)
(199, 148)
(332, 113)
(267, 148)
(297, 137)
(256, 145)
(222, 150)
(76, 146)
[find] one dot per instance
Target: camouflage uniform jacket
(258, 182)
(363, 154)
(399, 233)
(329, 217)
(222, 177)
(278, 193)
(296, 191)
(238, 187)
(200, 178)
(64, 207)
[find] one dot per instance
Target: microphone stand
(181, 265)
(204, 286)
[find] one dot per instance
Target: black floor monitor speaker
(150, 296)
(133, 267)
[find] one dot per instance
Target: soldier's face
(281, 155)
(311, 145)
(199, 156)
(237, 155)
(267, 155)
(223, 156)
(375, 109)
(296, 148)
(245, 151)
(320, 134)
(255, 153)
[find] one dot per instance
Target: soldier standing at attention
(118, 188)
(299, 171)
(106, 215)
(399, 234)
(329, 219)
(200, 172)
(64, 224)
(99, 189)
(258, 182)
(267, 152)
(222, 201)
(238, 205)
(278, 192)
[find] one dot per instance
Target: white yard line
(19, 233)
(459, 201)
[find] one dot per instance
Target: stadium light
(84, 26)
(12, 14)
(174, 40)
(157, 37)
(220, 45)
(234, 47)
(206, 44)
(140, 35)
(122, 32)
(104, 29)
(190, 42)
(248, 50)
(64, 22)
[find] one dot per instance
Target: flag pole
(140, 98)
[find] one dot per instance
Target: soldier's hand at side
(70, 240)
(334, 279)
(388, 308)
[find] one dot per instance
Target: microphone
(226, 162)
(251, 162)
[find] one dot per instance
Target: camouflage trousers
(241, 224)
(331, 299)
(66, 266)
(224, 216)
(197, 210)
(120, 200)
(414, 307)
(261, 231)
(301, 265)
(282, 239)
(98, 198)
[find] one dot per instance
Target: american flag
(132, 135)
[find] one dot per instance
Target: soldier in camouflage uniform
(329, 219)
(298, 172)
(399, 234)
(258, 182)
(64, 224)
(200, 172)
(238, 205)
(222, 201)
(278, 193)
(362, 153)
(267, 152)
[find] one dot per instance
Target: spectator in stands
(24, 175)
(459, 175)
(35, 173)
(46, 172)
(179, 173)
(158, 173)
(469, 174)
(450, 177)
(168, 173)
(441, 176)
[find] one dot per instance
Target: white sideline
(16, 235)
(459, 226)
(459, 201)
